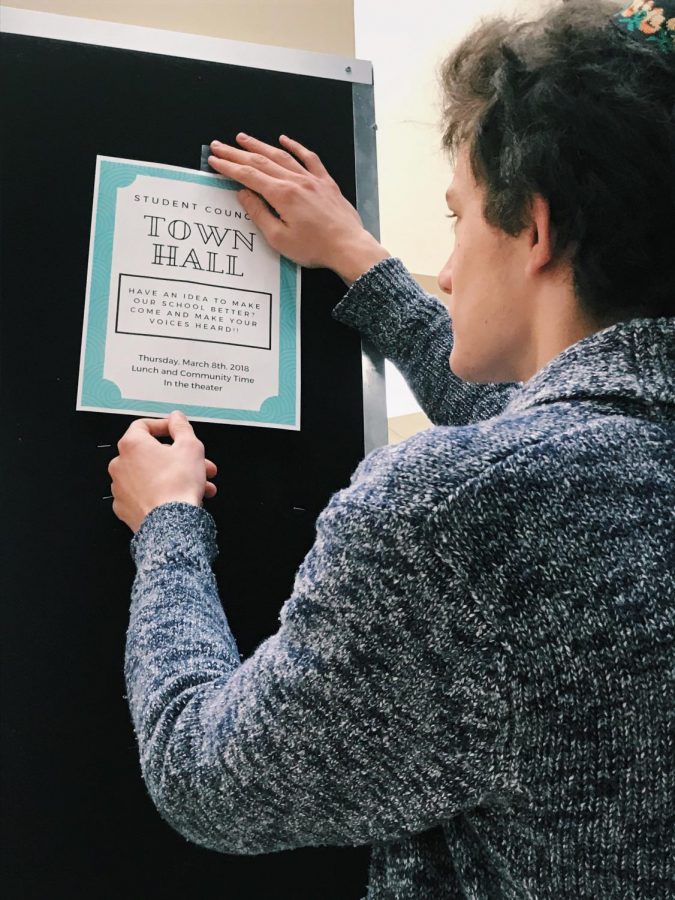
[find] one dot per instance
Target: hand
(148, 473)
(316, 225)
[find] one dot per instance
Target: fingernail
(242, 137)
(215, 144)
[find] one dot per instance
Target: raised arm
(316, 226)
(413, 330)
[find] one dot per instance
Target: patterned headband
(649, 23)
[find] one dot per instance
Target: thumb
(260, 213)
(179, 427)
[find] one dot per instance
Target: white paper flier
(187, 306)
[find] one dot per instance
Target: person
(473, 674)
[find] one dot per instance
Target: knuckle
(287, 190)
(126, 441)
(273, 233)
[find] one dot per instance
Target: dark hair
(573, 109)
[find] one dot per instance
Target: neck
(556, 323)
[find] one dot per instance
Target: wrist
(357, 256)
(145, 510)
(173, 527)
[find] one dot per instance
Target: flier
(187, 306)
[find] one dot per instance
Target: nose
(445, 278)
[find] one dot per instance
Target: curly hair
(569, 107)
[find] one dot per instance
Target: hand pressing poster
(187, 307)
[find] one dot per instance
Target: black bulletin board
(77, 821)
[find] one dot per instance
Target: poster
(187, 307)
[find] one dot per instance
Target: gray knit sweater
(474, 671)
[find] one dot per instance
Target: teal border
(104, 394)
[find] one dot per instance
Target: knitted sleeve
(374, 712)
(414, 331)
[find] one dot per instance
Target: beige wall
(326, 26)
(406, 47)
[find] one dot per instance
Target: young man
(474, 671)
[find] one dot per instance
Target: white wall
(407, 41)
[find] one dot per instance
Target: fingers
(179, 427)
(258, 161)
(260, 214)
(280, 157)
(140, 430)
(309, 158)
(155, 427)
(270, 159)
(211, 472)
(250, 177)
(176, 426)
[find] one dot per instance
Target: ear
(540, 234)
